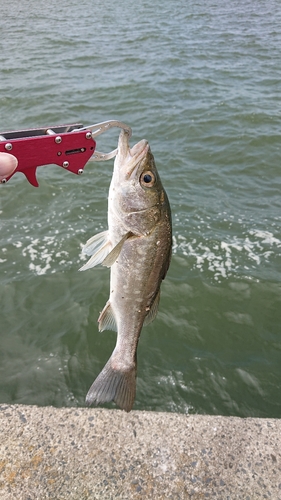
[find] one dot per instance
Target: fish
(137, 247)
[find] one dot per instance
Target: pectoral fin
(113, 255)
(151, 315)
(99, 246)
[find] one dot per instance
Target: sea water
(201, 81)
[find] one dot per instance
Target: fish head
(138, 191)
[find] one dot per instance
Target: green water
(202, 82)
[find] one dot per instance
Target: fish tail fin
(114, 384)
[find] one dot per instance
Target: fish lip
(128, 159)
(137, 147)
(137, 157)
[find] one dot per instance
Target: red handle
(71, 150)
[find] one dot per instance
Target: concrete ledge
(70, 453)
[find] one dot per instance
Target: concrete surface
(83, 453)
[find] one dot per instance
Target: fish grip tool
(100, 128)
(68, 146)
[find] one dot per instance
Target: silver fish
(137, 247)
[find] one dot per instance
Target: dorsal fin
(151, 315)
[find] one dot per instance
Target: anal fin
(107, 319)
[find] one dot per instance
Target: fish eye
(147, 179)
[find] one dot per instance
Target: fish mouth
(130, 158)
(138, 149)
(138, 155)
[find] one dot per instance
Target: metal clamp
(100, 128)
(69, 146)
